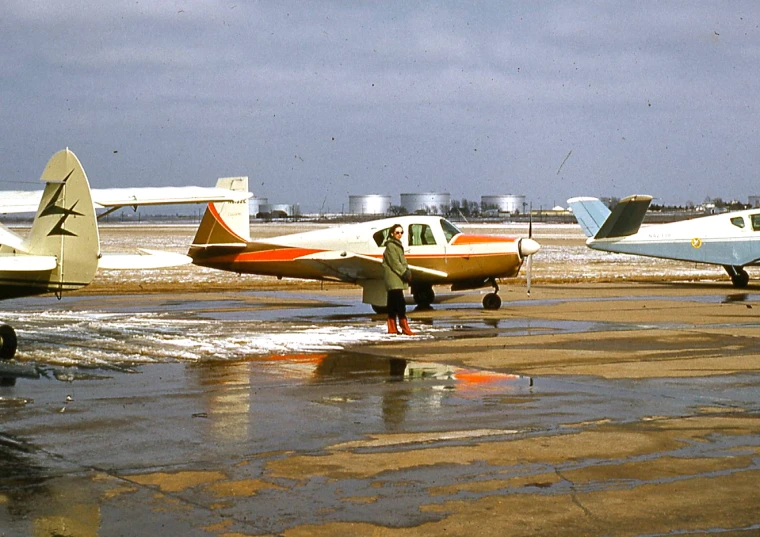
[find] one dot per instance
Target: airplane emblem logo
(53, 209)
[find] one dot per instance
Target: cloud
(466, 98)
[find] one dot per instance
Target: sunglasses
(398, 232)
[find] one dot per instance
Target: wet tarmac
(292, 413)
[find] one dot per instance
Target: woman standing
(397, 275)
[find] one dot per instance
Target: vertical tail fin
(64, 231)
(225, 222)
(599, 222)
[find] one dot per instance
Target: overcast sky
(318, 100)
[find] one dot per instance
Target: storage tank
(254, 205)
(369, 204)
(426, 202)
(506, 203)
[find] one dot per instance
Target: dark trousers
(396, 303)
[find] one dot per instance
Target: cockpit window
(738, 221)
(449, 230)
(381, 236)
(755, 222)
(420, 235)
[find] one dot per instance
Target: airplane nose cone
(528, 247)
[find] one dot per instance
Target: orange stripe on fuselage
(275, 254)
(462, 239)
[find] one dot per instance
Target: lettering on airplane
(656, 235)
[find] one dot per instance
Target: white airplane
(437, 251)
(62, 250)
(731, 240)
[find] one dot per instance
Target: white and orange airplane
(437, 251)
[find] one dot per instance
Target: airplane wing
(351, 266)
(129, 197)
(146, 259)
(19, 201)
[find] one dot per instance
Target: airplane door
(424, 247)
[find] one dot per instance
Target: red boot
(405, 327)
(392, 329)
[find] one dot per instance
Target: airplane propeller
(527, 248)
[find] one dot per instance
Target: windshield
(449, 230)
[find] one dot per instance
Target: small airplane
(437, 251)
(731, 240)
(62, 250)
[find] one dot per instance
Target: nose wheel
(492, 301)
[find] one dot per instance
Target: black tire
(379, 309)
(423, 295)
(8, 342)
(492, 301)
(741, 279)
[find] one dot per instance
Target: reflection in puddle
(346, 366)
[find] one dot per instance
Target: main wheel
(379, 309)
(8, 342)
(492, 301)
(423, 295)
(740, 279)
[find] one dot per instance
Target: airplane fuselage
(728, 239)
(429, 242)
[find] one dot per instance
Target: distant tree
(464, 207)
(397, 210)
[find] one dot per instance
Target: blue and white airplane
(731, 240)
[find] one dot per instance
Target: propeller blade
(530, 256)
(530, 269)
(530, 224)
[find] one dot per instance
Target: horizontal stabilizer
(626, 217)
(146, 259)
(11, 239)
(221, 246)
(27, 263)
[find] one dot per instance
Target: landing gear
(739, 276)
(423, 295)
(8, 342)
(492, 301)
(379, 309)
